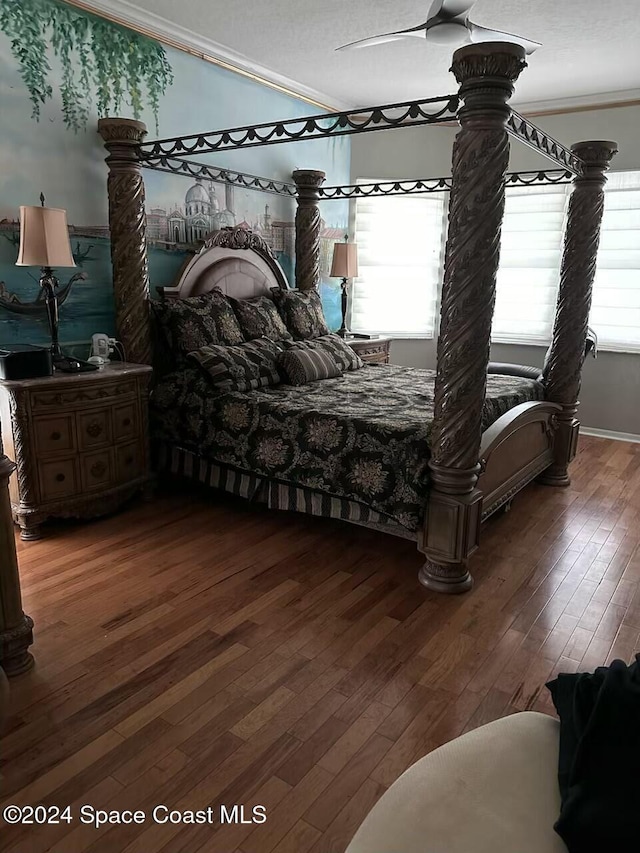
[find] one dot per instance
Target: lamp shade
(44, 238)
(345, 260)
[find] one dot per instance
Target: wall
(67, 164)
(611, 383)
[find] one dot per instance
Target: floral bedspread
(363, 436)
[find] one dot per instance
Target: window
(530, 257)
(400, 248)
(615, 312)
(400, 242)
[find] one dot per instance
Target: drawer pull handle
(126, 422)
(94, 429)
(98, 469)
(128, 460)
(56, 436)
(60, 478)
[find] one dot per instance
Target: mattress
(363, 436)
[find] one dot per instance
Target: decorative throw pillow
(259, 318)
(338, 349)
(244, 367)
(197, 321)
(301, 310)
(304, 365)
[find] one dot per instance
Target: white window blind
(400, 242)
(615, 312)
(530, 255)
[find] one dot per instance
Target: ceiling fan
(447, 24)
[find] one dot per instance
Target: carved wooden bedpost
(308, 182)
(564, 365)
(127, 223)
(15, 626)
(486, 74)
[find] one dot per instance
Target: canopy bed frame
(472, 474)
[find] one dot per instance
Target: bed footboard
(514, 451)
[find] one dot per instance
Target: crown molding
(173, 35)
(581, 103)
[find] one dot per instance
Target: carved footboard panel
(514, 450)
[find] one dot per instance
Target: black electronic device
(69, 364)
(24, 361)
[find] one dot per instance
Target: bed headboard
(236, 260)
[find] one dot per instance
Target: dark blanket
(599, 763)
(363, 436)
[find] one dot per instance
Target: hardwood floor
(198, 651)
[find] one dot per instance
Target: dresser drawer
(78, 397)
(58, 479)
(96, 469)
(125, 421)
(54, 434)
(129, 462)
(94, 428)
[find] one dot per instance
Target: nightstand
(371, 350)
(79, 440)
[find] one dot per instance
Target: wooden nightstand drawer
(129, 462)
(94, 428)
(97, 392)
(96, 469)
(58, 479)
(371, 350)
(375, 357)
(125, 421)
(54, 434)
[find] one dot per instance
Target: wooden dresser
(79, 441)
(371, 350)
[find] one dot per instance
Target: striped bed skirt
(275, 494)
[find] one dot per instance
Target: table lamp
(44, 243)
(344, 266)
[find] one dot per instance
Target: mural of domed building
(191, 222)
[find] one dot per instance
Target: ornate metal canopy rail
(421, 186)
(193, 169)
(527, 179)
(405, 114)
(382, 188)
(523, 129)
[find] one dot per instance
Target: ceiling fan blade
(445, 10)
(414, 32)
(478, 33)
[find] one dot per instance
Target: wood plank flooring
(198, 651)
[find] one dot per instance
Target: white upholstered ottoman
(493, 790)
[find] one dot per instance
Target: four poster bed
(463, 444)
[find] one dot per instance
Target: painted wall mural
(59, 71)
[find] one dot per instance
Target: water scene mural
(60, 70)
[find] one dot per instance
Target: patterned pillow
(304, 365)
(244, 367)
(259, 318)
(301, 310)
(339, 351)
(194, 322)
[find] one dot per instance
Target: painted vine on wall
(100, 60)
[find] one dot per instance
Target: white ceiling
(590, 47)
